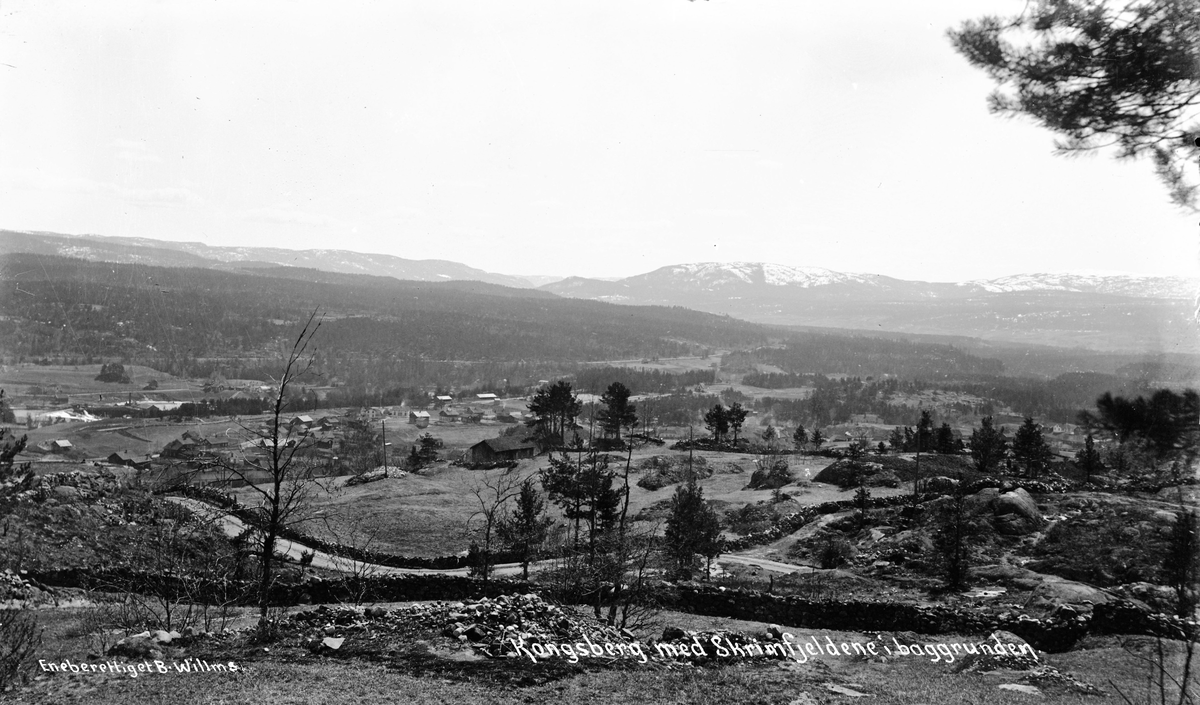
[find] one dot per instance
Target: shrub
(19, 639)
(771, 474)
(833, 551)
(751, 518)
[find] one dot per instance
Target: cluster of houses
(450, 413)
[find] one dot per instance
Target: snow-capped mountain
(1141, 287)
(1106, 312)
(1093, 311)
(722, 274)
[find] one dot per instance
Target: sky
(599, 139)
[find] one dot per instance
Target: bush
(113, 372)
(834, 551)
(19, 639)
(772, 476)
(751, 518)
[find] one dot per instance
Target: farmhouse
(62, 445)
(504, 448)
(302, 421)
(419, 418)
(127, 459)
(181, 448)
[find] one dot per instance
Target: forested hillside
(174, 317)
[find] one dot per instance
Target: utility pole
(383, 429)
(917, 469)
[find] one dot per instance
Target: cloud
(166, 196)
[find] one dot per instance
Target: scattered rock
(65, 492)
(1019, 688)
(1050, 676)
(139, 646)
(843, 690)
(333, 643)
(1003, 644)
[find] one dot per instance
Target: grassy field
(285, 673)
(427, 513)
(80, 379)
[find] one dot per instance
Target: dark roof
(506, 443)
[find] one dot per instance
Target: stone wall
(1057, 633)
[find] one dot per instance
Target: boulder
(986, 497)
(1060, 591)
(942, 484)
(1018, 502)
(65, 492)
(1003, 660)
(1013, 525)
(137, 647)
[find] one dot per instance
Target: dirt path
(233, 526)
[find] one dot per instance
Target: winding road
(233, 526)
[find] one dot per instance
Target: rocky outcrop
(1015, 513)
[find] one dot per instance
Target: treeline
(775, 380)
(169, 318)
(597, 379)
(861, 356)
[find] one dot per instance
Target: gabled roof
(506, 443)
(62, 443)
(419, 414)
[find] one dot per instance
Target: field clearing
(96, 439)
(758, 392)
(670, 364)
(80, 379)
(427, 514)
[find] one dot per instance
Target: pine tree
(945, 442)
(988, 446)
(955, 537)
(692, 529)
(526, 529)
(1181, 567)
(736, 416)
(1100, 74)
(1088, 459)
(1029, 448)
(716, 420)
(800, 438)
(618, 412)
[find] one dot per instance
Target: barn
(494, 450)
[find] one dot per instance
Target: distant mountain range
(1142, 314)
(136, 250)
(1095, 312)
(737, 278)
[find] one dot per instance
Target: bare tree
(290, 484)
(493, 493)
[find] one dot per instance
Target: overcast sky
(590, 138)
